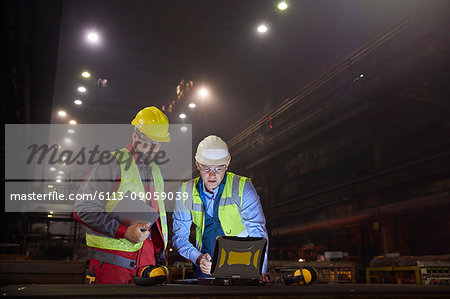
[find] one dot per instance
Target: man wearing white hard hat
(220, 203)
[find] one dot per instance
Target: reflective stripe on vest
(230, 206)
(130, 181)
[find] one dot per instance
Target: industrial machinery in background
(329, 266)
(392, 268)
(324, 271)
(183, 89)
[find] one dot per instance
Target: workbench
(247, 292)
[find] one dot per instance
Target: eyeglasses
(148, 140)
(209, 169)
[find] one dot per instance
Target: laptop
(236, 261)
(129, 211)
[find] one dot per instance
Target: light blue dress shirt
(252, 217)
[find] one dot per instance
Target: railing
(390, 53)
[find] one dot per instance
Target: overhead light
(282, 5)
(52, 168)
(301, 260)
(203, 92)
(62, 113)
(183, 129)
(60, 172)
(72, 122)
(78, 102)
(92, 37)
(182, 116)
(58, 181)
(68, 140)
(262, 28)
(50, 216)
(71, 131)
(85, 74)
(82, 89)
(192, 105)
(50, 186)
(59, 177)
(51, 212)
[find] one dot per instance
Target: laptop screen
(236, 257)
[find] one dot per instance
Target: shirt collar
(207, 193)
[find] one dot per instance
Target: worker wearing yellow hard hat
(219, 203)
(118, 244)
(153, 123)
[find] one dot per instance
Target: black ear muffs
(300, 276)
(151, 275)
(144, 271)
(314, 274)
(303, 276)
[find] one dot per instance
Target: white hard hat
(212, 151)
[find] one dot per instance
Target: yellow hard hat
(153, 123)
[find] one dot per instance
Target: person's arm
(92, 213)
(182, 221)
(253, 217)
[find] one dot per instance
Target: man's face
(211, 175)
(144, 146)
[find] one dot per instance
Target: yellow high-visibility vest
(230, 206)
(130, 181)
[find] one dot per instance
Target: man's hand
(264, 278)
(204, 262)
(137, 233)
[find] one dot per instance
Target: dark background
(341, 161)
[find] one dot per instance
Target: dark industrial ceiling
(147, 47)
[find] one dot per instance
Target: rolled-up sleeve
(182, 221)
(253, 217)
